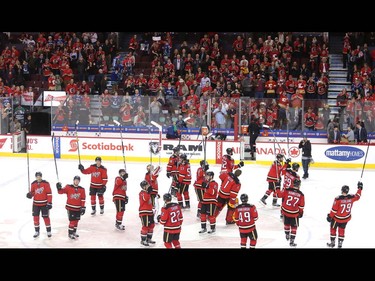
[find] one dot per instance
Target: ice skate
(93, 212)
(120, 226)
(49, 234)
(36, 234)
(149, 241)
(203, 230)
(144, 243)
(72, 236)
(263, 201)
(212, 231)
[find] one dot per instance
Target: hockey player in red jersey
(227, 195)
(209, 203)
(274, 179)
(120, 198)
(245, 216)
(41, 192)
(152, 178)
(340, 213)
(199, 190)
(293, 203)
(98, 183)
(75, 204)
(171, 217)
(289, 177)
(227, 163)
(183, 181)
(146, 214)
(172, 169)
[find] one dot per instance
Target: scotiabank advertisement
(111, 148)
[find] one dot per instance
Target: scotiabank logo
(99, 146)
(2, 142)
(73, 145)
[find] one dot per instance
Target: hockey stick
(122, 143)
(79, 154)
(160, 128)
(287, 137)
(28, 162)
(364, 162)
(54, 156)
(274, 137)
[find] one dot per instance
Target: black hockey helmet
(296, 183)
(183, 156)
(167, 197)
(244, 198)
(230, 151)
(279, 156)
(176, 149)
(38, 174)
(210, 174)
(143, 183)
(98, 158)
(237, 172)
(345, 189)
(121, 171)
(77, 178)
(202, 163)
(295, 167)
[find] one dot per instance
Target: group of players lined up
(211, 199)
(293, 201)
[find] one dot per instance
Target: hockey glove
(204, 184)
(300, 215)
(83, 210)
(241, 164)
(29, 195)
(80, 167)
(58, 185)
(126, 200)
(206, 167)
(149, 189)
(288, 161)
(168, 175)
(360, 185)
(102, 190)
(49, 206)
(158, 218)
(125, 176)
(329, 219)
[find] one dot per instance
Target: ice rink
(320, 189)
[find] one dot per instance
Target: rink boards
(138, 150)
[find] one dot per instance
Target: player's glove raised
(80, 167)
(360, 185)
(58, 185)
(241, 164)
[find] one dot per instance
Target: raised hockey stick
(79, 154)
(122, 143)
(28, 163)
(274, 137)
(160, 128)
(54, 156)
(364, 162)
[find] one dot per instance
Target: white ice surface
(16, 223)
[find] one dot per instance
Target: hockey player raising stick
(172, 169)
(340, 213)
(227, 164)
(152, 178)
(42, 203)
(274, 179)
(199, 190)
(98, 183)
(75, 204)
(120, 198)
(289, 177)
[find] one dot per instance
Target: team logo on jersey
(344, 153)
(75, 196)
(39, 190)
